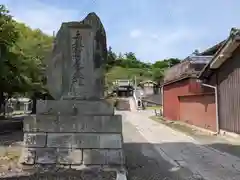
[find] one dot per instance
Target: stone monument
(78, 128)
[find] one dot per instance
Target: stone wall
(73, 133)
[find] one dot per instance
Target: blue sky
(152, 29)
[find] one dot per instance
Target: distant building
(123, 87)
(20, 104)
(149, 87)
(150, 93)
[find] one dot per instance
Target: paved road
(146, 160)
(145, 163)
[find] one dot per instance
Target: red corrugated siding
(192, 108)
(170, 98)
(199, 110)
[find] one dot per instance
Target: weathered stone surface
(68, 107)
(81, 123)
(50, 123)
(100, 141)
(86, 140)
(29, 124)
(63, 140)
(103, 157)
(78, 55)
(115, 157)
(112, 124)
(46, 156)
(110, 141)
(69, 156)
(47, 123)
(35, 139)
(94, 157)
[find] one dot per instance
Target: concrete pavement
(181, 150)
(143, 162)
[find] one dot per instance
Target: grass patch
(10, 161)
(154, 107)
(13, 155)
(118, 72)
(175, 125)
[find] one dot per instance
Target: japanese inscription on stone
(77, 77)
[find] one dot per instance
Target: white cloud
(163, 36)
(135, 33)
(39, 15)
(166, 43)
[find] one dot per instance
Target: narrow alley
(155, 151)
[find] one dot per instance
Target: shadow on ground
(218, 142)
(143, 162)
(11, 124)
(227, 148)
(11, 131)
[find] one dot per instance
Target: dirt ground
(10, 151)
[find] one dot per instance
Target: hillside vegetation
(25, 50)
(127, 66)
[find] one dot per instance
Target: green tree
(130, 56)
(111, 59)
(22, 57)
(9, 61)
(173, 61)
(166, 63)
(157, 74)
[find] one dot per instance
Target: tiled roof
(206, 72)
(190, 67)
(199, 59)
(212, 50)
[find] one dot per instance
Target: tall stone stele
(78, 127)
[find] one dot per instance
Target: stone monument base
(73, 134)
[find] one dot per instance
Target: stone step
(123, 105)
(79, 123)
(74, 107)
(73, 156)
(73, 140)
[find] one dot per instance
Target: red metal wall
(170, 98)
(186, 100)
(199, 110)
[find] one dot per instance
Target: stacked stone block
(73, 132)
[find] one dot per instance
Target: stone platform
(71, 136)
